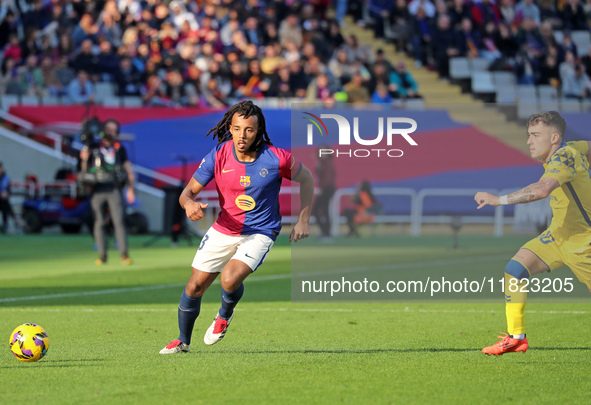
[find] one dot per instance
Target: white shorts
(217, 249)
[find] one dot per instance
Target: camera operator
(106, 164)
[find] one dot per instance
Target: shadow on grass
(371, 351)
(59, 363)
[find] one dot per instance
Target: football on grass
(29, 342)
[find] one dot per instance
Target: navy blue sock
(229, 301)
(189, 308)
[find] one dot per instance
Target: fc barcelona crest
(245, 181)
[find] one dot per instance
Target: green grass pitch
(106, 325)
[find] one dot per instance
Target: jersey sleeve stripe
(297, 172)
(578, 202)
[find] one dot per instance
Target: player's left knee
(517, 270)
(229, 282)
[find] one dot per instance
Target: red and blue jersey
(248, 191)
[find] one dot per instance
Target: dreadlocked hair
(246, 109)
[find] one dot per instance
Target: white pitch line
(130, 289)
(434, 263)
(342, 310)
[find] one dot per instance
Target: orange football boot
(507, 345)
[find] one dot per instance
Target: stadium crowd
(214, 53)
(205, 53)
(517, 36)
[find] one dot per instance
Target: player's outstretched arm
(301, 229)
(193, 209)
(536, 191)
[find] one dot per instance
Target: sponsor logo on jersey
(546, 238)
(263, 172)
(201, 164)
(227, 171)
(245, 202)
(245, 181)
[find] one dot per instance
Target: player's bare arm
(301, 229)
(193, 209)
(536, 191)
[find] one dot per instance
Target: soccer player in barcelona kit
(567, 180)
(248, 172)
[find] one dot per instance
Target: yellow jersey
(571, 202)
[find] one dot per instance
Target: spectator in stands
(381, 95)
(567, 44)
(8, 27)
(340, 67)
(154, 92)
(444, 44)
(528, 9)
(379, 11)
(568, 66)
(458, 12)
(14, 49)
(86, 29)
(529, 34)
(9, 83)
(127, 78)
(489, 48)
(379, 75)
(421, 37)
(357, 51)
(574, 16)
(426, 5)
(65, 75)
(87, 61)
(289, 29)
(110, 30)
(298, 82)
(81, 90)
(180, 15)
(507, 11)
(107, 62)
(281, 86)
(549, 73)
(334, 38)
(484, 12)
(401, 23)
(271, 62)
(213, 96)
(356, 91)
(65, 46)
(406, 85)
(175, 89)
(505, 42)
(468, 40)
(576, 85)
(51, 83)
(252, 32)
(319, 89)
(31, 77)
(549, 14)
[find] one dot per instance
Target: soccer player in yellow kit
(567, 180)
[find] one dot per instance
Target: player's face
(539, 141)
(244, 132)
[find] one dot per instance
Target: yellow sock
(515, 304)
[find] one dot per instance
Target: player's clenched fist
(194, 210)
(483, 199)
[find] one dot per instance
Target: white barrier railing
(416, 216)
